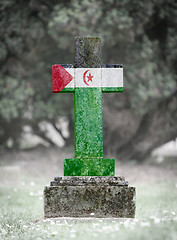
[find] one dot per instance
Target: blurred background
(141, 35)
(37, 126)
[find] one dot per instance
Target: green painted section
(89, 167)
(68, 90)
(104, 89)
(88, 123)
(112, 89)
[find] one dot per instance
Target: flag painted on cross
(66, 79)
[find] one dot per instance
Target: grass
(21, 203)
(21, 216)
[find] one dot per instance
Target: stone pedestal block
(89, 197)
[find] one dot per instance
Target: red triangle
(60, 78)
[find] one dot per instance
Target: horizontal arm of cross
(107, 78)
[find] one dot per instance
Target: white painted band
(96, 77)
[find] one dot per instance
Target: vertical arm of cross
(88, 103)
(88, 159)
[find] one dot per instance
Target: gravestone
(88, 187)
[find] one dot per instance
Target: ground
(24, 174)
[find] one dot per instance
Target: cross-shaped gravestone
(88, 79)
(102, 194)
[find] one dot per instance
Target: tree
(141, 35)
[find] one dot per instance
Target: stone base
(102, 197)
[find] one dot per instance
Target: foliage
(36, 34)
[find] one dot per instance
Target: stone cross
(88, 187)
(88, 79)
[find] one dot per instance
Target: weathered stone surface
(87, 52)
(87, 180)
(89, 197)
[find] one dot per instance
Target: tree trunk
(156, 127)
